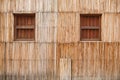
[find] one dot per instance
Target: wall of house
(57, 36)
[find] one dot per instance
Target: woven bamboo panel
(92, 60)
(65, 69)
(46, 5)
(3, 5)
(110, 27)
(46, 19)
(118, 6)
(91, 6)
(64, 34)
(68, 29)
(28, 5)
(34, 60)
(6, 27)
(110, 6)
(2, 27)
(84, 6)
(68, 5)
(2, 51)
(68, 19)
(29, 51)
(46, 35)
(21, 5)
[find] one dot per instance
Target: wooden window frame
(91, 28)
(16, 27)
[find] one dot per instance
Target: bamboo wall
(57, 41)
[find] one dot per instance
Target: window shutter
(24, 26)
(90, 27)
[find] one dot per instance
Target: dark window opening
(90, 27)
(24, 27)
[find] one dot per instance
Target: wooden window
(24, 27)
(90, 27)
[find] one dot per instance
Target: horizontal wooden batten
(25, 27)
(90, 40)
(24, 40)
(91, 27)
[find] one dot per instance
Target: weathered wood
(110, 6)
(110, 26)
(65, 69)
(2, 61)
(68, 5)
(91, 6)
(46, 19)
(92, 60)
(46, 5)
(118, 6)
(64, 34)
(29, 51)
(21, 5)
(6, 27)
(68, 24)
(3, 5)
(30, 59)
(57, 35)
(45, 34)
(84, 6)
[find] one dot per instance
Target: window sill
(24, 40)
(90, 41)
